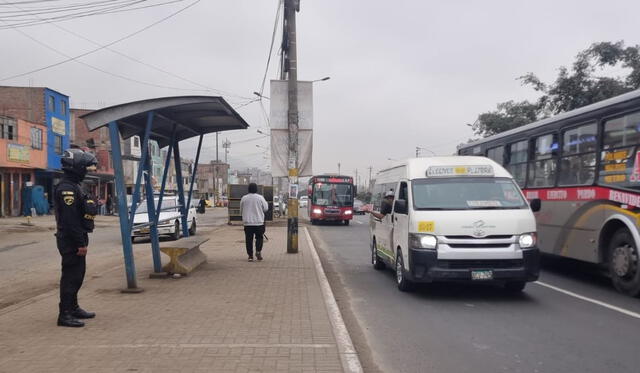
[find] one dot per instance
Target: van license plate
(144, 230)
(482, 275)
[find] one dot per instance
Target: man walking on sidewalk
(253, 206)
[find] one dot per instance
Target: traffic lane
(455, 327)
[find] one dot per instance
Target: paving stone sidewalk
(229, 315)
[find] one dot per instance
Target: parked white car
(169, 222)
(304, 201)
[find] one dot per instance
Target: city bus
(331, 198)
(584, 166)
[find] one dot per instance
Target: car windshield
(167, 205)
(325, 194)
(466, 194)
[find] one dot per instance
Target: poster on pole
(280, 128)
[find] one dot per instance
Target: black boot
(67, 319)
(79, 313)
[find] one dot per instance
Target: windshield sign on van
(451, 171)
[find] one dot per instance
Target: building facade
(44, 110)
(212, 180)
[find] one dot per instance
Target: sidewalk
(42, 223)
(227, 316)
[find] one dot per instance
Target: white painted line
(359, 222)
(348, 354)
(591, 300)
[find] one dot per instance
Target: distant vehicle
(331, 198)
(208, 203)
(454, 219)
(169, 223)
(358, 207)
(304, 201)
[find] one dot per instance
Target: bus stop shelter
(168, 121)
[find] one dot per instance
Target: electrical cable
(75, 58)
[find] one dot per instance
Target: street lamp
(391, 159)
(418, 148)
(261, 95)
(321, 80)
(263, 133)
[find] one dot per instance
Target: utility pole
(338, 168)
(417, 152)
(217, 159)
(356, 178)
(370, 168)
(226, 145)
(291, 64)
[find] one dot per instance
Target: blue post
(141, 167)
(151, 213)
(167, 162)
(121, 193)
(180, 182)
(193, 176)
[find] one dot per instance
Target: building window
(57, 142)
(36, 138)
(8, 128)
(63, 107)
(578, 162)
(136, 141)
(52, 103)
(542, 168)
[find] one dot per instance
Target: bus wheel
(624, 266)
(375, 259)
(346, 222)
(515, 286)
(401, 280)
(314, 222)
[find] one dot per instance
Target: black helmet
(78, 162)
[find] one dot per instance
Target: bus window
(496, 154)
(516, 162)
(542, 169)
(619, 164)
(578, 162)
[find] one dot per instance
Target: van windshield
(167, 205)
(474, 193)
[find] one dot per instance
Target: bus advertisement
(584, 165)
(331, 198)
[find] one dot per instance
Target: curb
(348, 354)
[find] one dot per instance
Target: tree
(573, 88)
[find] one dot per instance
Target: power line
(221, 92)
(273, 38)
(75, 58)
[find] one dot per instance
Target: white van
(453, 219)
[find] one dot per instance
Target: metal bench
(185, 255)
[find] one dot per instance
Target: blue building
(56, 111)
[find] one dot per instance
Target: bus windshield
(327, 194)
(467, 194)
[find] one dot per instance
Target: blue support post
(193, 176)
(180, 182)
(151, 213)
(141, 167)
(121, 194)
(167, 163)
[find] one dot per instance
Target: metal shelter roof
(193, 115)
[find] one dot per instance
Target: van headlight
(423, 241)
(527, 240)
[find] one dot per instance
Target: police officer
(75, 212)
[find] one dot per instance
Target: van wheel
(375, 259)
(624, 264)
(403, 283)
(133, 240)
(176, 231)
(192, 230)
(515, 286)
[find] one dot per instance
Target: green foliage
(573, 88)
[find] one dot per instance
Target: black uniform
(75, 212)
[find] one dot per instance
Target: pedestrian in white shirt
(253, 206)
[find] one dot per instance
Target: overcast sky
(404, 73)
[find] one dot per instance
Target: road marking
(591, 300)
(348, 354)
(359, 222)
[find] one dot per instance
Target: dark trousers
(249, 232)
(73, 271)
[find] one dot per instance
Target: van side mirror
(400, 206)
(535, 204)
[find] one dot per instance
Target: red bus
(331, 198)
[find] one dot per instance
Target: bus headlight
(423, 241)
(317, 211)
(527, 240)
(348, 212)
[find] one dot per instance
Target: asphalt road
(463, 328)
